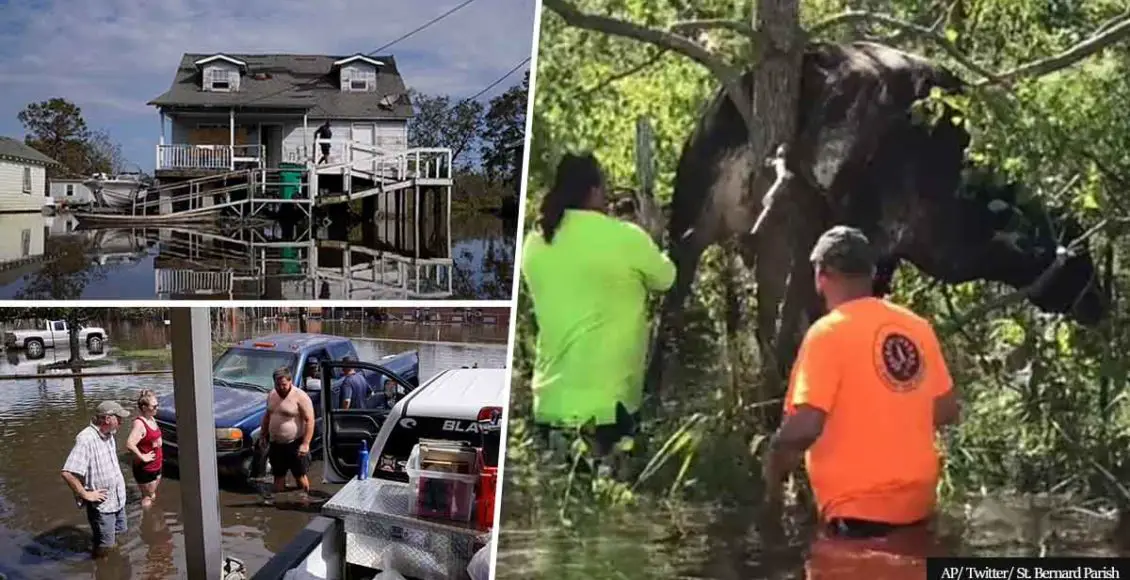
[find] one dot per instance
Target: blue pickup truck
(243, 377)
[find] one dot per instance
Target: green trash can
(290, 263)
(291, 177)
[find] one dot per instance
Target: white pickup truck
(54, 332)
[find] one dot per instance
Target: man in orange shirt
(868, 391)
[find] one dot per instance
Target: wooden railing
(207, 156)
(395, 164)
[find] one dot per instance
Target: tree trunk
(776, 90)
(76, 352)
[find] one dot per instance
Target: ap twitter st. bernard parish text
(1035, 572)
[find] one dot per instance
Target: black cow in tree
(862, 157)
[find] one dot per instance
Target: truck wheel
(34, 348)
(94, 344)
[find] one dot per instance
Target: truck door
(312, 364)
(59, 336)
(345, 429)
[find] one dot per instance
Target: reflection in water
(43, 534)
(51, 258)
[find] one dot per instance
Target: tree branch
(853, 16)
(1108, 35)
(729, 77)
(625, 73)
(690, 26)
(903, 34)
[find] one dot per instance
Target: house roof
(292, 81)
(14, 149)
(221, 56)
(360, 57)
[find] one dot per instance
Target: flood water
(706, 540)
(43, 534)
(53, 257)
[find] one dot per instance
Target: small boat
(94, 218)
(117, 191)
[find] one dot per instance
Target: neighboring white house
(226, 110)
(70, 191)
(23, 177)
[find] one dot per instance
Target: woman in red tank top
(145, 444)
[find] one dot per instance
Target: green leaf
(1090, 201)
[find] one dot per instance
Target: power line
(427, 24)
(500, 79)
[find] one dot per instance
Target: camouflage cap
(845, 250)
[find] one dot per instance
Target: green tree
(441, 123)
(56, 128)
(503, 126)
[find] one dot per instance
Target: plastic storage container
(440, 495)
(291, 176)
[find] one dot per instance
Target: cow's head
(1009, 236)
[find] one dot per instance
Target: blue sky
(110, 57)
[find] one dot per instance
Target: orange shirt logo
(898, 360)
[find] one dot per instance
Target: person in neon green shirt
(589, 275)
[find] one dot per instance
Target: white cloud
(112, 56)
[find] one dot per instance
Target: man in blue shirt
(354, 388)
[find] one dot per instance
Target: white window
(70, 189)
(358, 79)
(218, 79)
(25, 243)
(27, 180)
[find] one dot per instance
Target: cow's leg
(773, 255)
(686, 253)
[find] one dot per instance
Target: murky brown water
(707, 541)
(43, 534)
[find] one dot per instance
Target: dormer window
(221, 73)
(358, 73)
(218, 79)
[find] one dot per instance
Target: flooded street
(52, 257)
(43, 534)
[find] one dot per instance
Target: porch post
(231, 137)
(161, 142)
(192, 390)
(306, 134)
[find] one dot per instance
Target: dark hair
(282, 372)
(577, 175)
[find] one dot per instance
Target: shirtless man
(289, 423)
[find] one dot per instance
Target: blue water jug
(363, 461)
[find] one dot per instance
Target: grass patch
(148, 353)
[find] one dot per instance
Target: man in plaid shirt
(94, 475)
